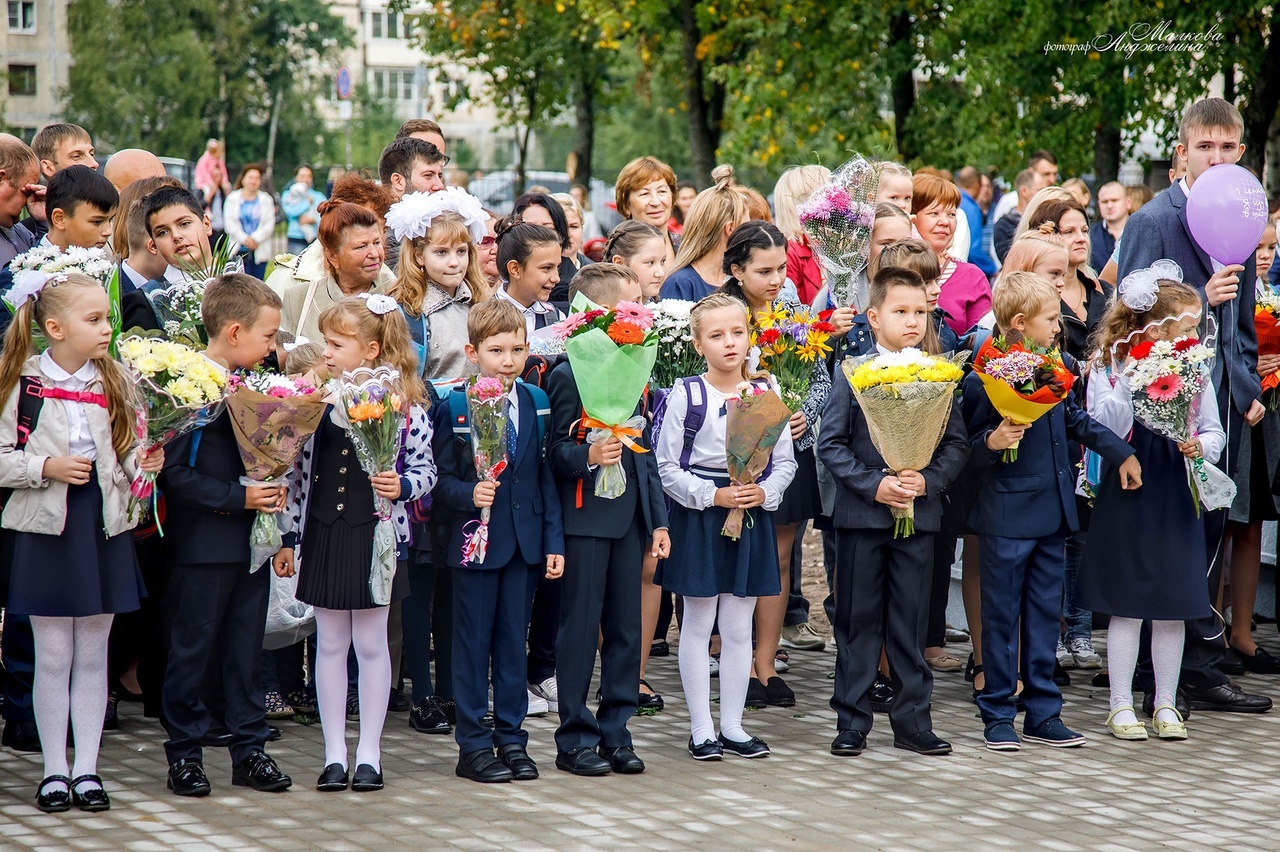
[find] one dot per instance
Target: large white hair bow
(1139, 289)
(411, 216)
(27, 284)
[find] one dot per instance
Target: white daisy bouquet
(676, 356)
(36, 264)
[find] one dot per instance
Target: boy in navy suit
(1024, 511)
(604, 551)
(218, 605)
(876, 573)
(492, 599)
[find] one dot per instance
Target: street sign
(344, 83)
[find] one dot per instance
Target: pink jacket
(966, 297)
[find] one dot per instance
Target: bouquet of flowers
(837, 217)
(177, 390)
(753, 424)
(1023, 381)
(676, 357)
(375, 418)
(906, 397)
(1166, 378)
(612, 353)
(1266, 319)
(272, 417)
(46, 260)
(790, 341)
(177, 306)
(487, 410)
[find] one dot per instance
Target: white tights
(70, 679)
(1122, 658)
(735, 616)
(336, 631)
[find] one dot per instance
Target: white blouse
(1111, 404)
(79, 438)
(687, 488)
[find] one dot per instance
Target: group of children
(70, 465)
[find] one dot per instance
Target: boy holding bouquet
(493, 586)
(1025, 509)
(874, 566)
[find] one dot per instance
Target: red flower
(769, 336)
(591, 316)
(824, 327)
(826, 315)
(1141, 351)
(1184, 344)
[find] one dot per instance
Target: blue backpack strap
(195, 447)
(420, 332)
(460, 414)
(694, 416)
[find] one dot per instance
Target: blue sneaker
(1000, 736)
(1052, 732)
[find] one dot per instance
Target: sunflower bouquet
(790, 342)
(612, 352)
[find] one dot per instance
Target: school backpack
(538, 367)
(30, 401)
(460, 414)
(695, 415)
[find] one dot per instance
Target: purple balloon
(1227, 213)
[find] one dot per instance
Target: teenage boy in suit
(1209, 133)
(882, 582)
(217, 604)
(492, 598)
(604, 549)
(1024, 511)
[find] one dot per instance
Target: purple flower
(376, 393)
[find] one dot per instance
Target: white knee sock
(1122, 658)
(333, 639)
(735, 663)
(695, 665)
(51, 690)
(369, 633)
(1167, 638)
(89, 692)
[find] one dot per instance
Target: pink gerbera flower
(1165, 388)
(637, 315)
(568, 326)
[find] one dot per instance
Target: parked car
(497, 191)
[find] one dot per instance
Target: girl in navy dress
(1131, 576)
(73, 565)
(329, 532)
(718, 577)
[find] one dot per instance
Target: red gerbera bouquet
(1023, 381)
(1266, 319)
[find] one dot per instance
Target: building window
(376, 19)
(393, 25)
(22, 80)
(408, 28)
(22, 16)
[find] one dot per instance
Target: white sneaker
(1064, 656)
(548, 692)
(537, 705)
(1085, 656)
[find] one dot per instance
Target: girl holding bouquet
(330, 527)
(1158, 577)
(755, 262)
(69, 454)
(720, 577)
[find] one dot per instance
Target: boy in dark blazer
(1209, 133)
(604, 550)
(882, 582)
(218, 605)
(1024, 511)
(492, 599)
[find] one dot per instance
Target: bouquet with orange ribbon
(1266, 319)
(1023, 381)
(612, 352)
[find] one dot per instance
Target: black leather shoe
(623, 760)
(971, 670)
(366, 779)
(21, 736)
(1179, 702)
(111, 720)
(260, 772)
(483, 766)
(881, 694)
(1260, 663)
(583, 761)
(187, 778)
(752, 748)
(273, 733)
(427, 718)
(924, 742)
(1226, 698)
(706, 750)
(397, 703)
(1060, 676)
(778, 694)
(1231, 665)
(515, 758)
(333, 779)
(660, 649)
(449, 709)
(757, 699)
(93, 799)
(849, 743)
(54, 801)
(216, 738)
(650, 700)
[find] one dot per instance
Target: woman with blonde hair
(792, 189)
(697, 271)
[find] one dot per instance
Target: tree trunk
(702, 142)
(277, 97)
(1264, 99)
(222, 109)
(1106, 152)
(902, 55)
(522, 137)
(585, 130)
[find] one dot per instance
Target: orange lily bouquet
(612, 353)
(376, 413)
(790, 342)
(1266, 319)
(1023, 381)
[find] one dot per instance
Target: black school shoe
(427, 717)
(260, 772)
(706, 750)
(333, 779)
(54, 801)
(881, 694)
(778, 694)
(757, 698)
(93, 799)
(752, 748)
(187, 778)
(366, 779)
(515, 758)
(483, 766)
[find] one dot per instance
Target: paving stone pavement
(1218, 790)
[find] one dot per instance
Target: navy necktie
(511, 433)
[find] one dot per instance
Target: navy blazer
(860, 340)
(526, 509)
(845, 448)
(206, 521)
(1033, 496)
(1159, 231)
(596, 516)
